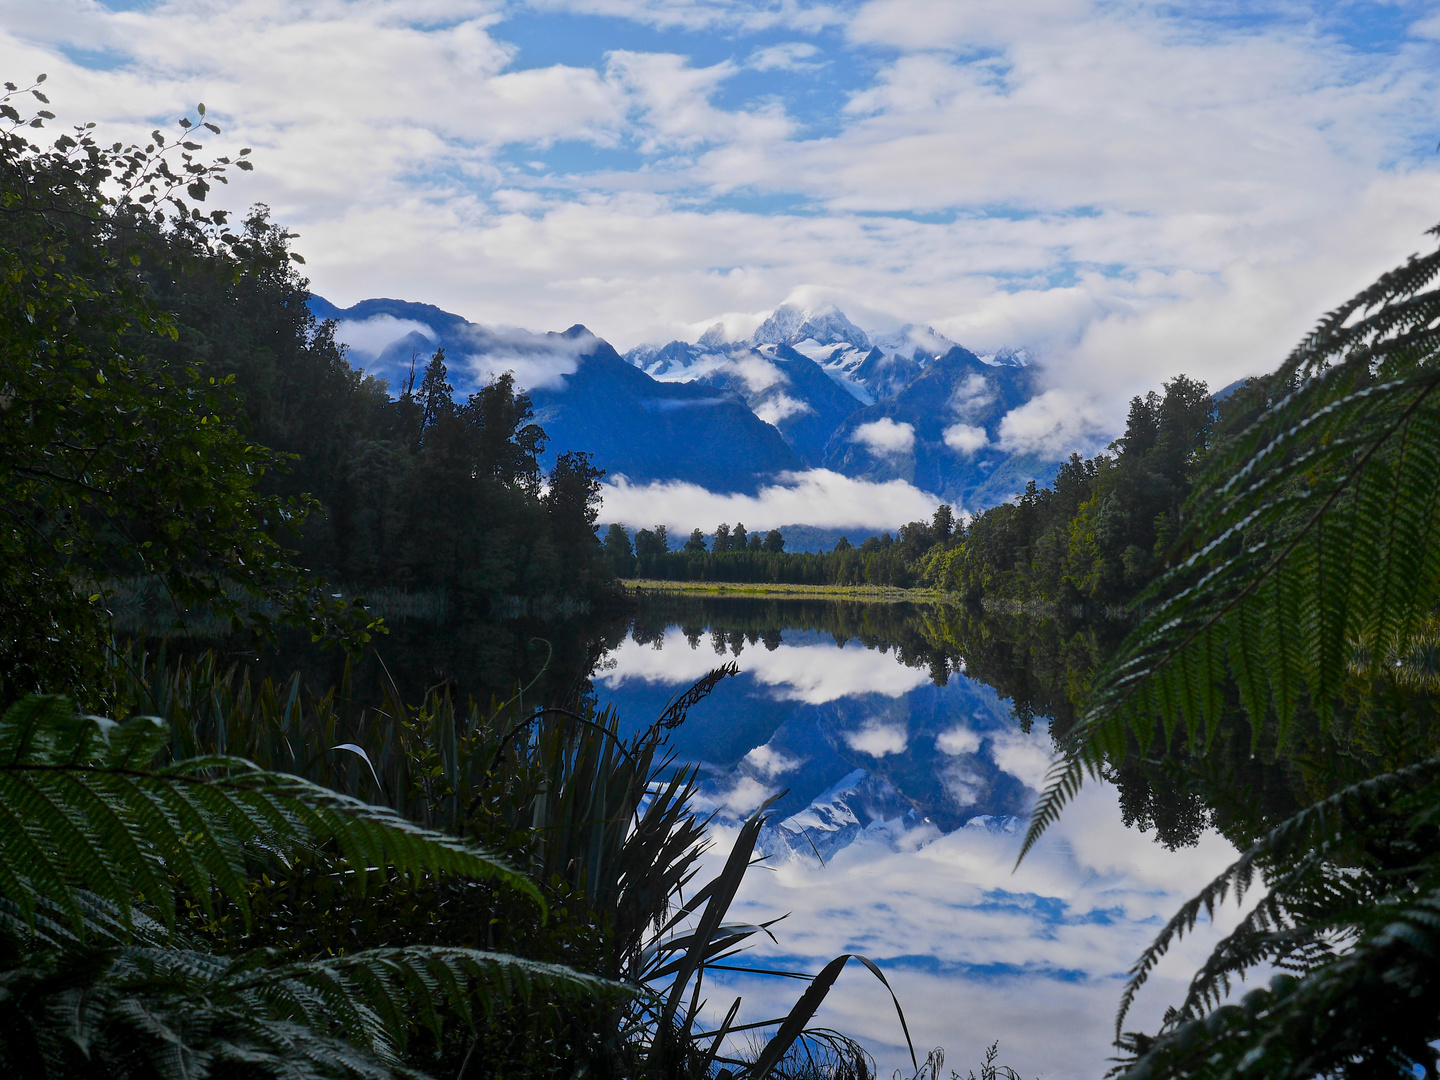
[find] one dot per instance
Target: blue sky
(1130, 189)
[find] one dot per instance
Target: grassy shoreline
(869, 593)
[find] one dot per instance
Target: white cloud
(965, 439)
(1130, 189)
(878, 739)
(697, 15)
(787, 56)
(958, 740)
(885, 437)
(819, 497)
(972, 396)
(673, 101)
(1053, 423)
(370, 336)
(975, 948)
(1024, 757)
(780, 407)
(533, 371)
(811, 674)
(770, 763)
(745, 796)
(963, 782)
(1033, 956)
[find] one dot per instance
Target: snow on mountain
(858, 806)
(869, 368)
(584, 395)
(827, 325)
(809, 389)
(780, 385)
(1008, 358)
(871, 390)
(913, 341)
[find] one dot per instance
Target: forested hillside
(1094, 538)
(414, 488)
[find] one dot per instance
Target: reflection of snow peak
(994, 824)
(858, 806)
(814, 674)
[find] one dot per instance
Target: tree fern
(84, 806)
(1357, 937)
(1314, 539)
(95, 835)
(185, 1013)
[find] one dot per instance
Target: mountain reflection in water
(907, 783)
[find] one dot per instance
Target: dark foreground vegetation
(208, 872)
(208, 869)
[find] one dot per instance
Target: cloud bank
(818, 497)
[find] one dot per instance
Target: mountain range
(808, 389)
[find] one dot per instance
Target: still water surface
(908, 785)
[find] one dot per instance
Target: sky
(1130, 189)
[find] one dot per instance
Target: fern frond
(1314, 534)
(1308, 833)
(83, 808)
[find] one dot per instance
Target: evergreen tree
(618, 551)
(943, 523)
(436, 397)
(696, 543)
(651, 542)
(573, 503)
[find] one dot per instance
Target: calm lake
(907, 783)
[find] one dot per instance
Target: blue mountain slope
(951, 414)
(826, 404)
(651, 430)
(586, 396)
(781, 386)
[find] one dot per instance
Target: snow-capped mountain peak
(858, 806)
(911, 339)
(827, 325)
(714, 338)
(1008, 357)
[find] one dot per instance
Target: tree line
(1095, 536)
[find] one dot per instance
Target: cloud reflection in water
(976, 949)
